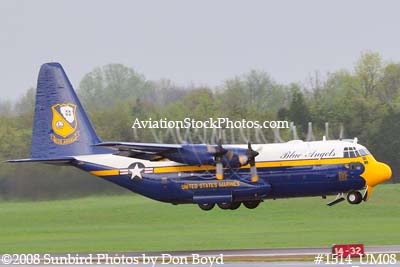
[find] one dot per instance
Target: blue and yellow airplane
(202, 174)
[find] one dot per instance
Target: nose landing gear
(354, 197)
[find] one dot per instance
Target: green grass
(134, 223)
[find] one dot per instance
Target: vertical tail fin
(61, 126)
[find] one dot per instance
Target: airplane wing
(192, 154)
(147, 151)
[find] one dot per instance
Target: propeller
(251, 159)
(219, 153)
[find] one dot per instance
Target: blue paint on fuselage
(274, 182)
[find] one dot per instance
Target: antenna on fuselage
(277, 136)
(310, 135)
(327, 130)
(294, 130)
(341, 134)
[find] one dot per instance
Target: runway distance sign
(346, 250)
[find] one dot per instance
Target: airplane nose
(386, 172)
(377, 173)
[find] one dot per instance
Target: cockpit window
(363, 152)
(350, 152)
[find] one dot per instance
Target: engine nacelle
(193, 155)
(234, 159)
(204, 155)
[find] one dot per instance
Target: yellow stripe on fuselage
(265, 164)
(105, 172)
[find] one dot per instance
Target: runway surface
(231, 258)
(269, 252)
(240, 264)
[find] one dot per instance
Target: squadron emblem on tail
(64, 124)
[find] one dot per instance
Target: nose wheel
(354, 197)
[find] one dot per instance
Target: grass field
(134, 223)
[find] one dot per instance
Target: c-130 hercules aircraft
(207, 175)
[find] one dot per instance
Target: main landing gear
(206, 206)
(231, 206)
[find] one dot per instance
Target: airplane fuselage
(292, 169)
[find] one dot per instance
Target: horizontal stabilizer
(61, 160)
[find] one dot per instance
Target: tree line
(364, 101)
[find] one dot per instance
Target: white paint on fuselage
(292, 150)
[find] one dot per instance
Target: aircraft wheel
(354, 197)
(251, 204)
(224, 206)
(207, 206)
(235, 205)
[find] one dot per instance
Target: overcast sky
(200, 42)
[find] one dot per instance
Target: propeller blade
(243, 159)
(219, 153)
(219, 150)
(251, 155)
(219, 171)
(254, 174)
